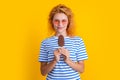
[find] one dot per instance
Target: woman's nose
(60, 23)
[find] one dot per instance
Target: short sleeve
(81, 50)
(43, 56)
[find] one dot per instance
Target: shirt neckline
(64, 37)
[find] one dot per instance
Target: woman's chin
(60, 31)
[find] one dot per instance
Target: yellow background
(23, 25)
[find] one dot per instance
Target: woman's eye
(64, 21)
(56, 21)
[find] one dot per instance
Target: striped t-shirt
(62, 71)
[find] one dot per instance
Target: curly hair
(61, 8)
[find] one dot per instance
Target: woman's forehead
(60, 16)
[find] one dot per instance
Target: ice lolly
(61, 40)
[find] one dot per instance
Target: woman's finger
(59, 50)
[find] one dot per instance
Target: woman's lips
(59, 27)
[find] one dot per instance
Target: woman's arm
(46, 68)
(78, 66)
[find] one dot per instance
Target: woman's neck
(64, 34)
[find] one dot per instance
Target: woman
(66, 62)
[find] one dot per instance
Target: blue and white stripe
(62, 70)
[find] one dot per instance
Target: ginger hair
(61, 8)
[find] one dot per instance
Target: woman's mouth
(59, 27)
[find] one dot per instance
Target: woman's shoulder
(76, 37)
(78, 40)
(47, 39)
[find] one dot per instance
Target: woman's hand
(65, 53)
(57, 54)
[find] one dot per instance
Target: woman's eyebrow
(59, 19)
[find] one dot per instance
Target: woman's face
(60, 22)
